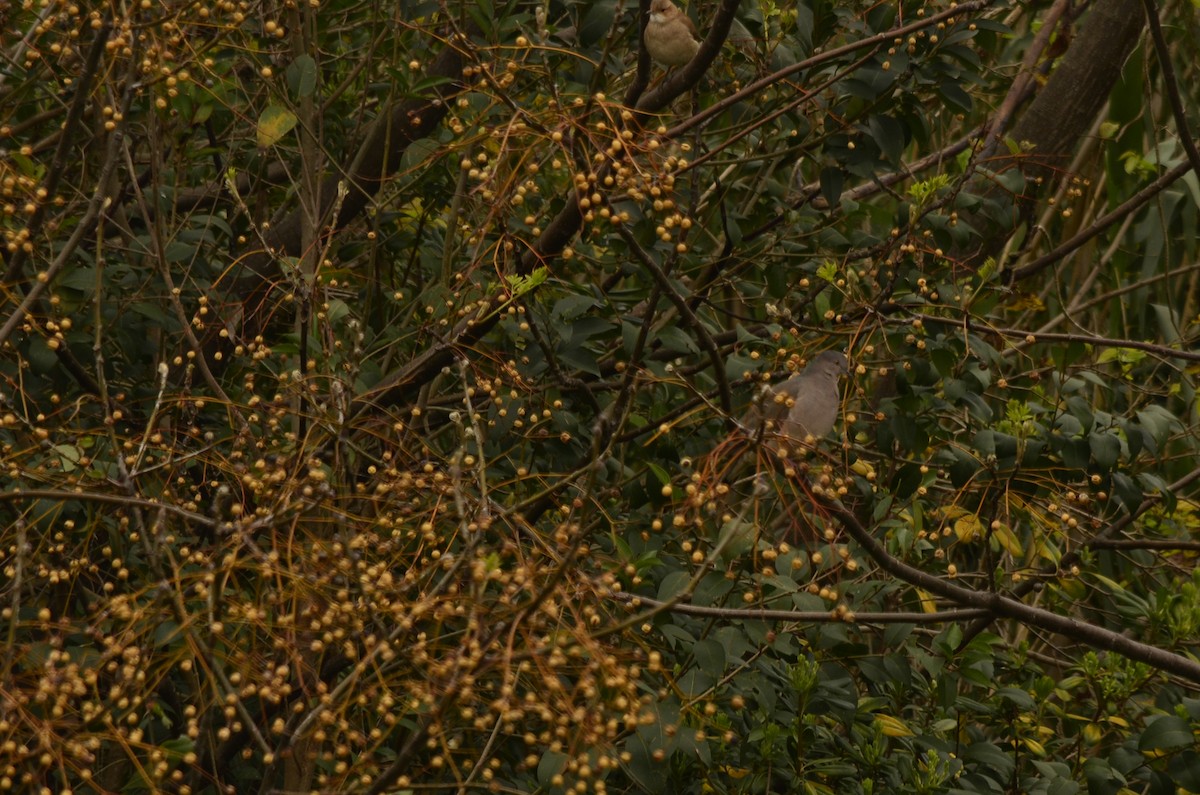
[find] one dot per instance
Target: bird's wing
(691, 26)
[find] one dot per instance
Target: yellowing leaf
(968, 527)
(1024, 302)
(1034, 746)
(274, 123)
(892, 726)
(863, 467)
(928, 603)
(1049, 552)
(949, 511)
(1073, 588)
(1007, 539)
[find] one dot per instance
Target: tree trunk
(1051, 127)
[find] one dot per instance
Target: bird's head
(662, 10)
(831, 363)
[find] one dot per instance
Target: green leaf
(1106, 449)
(889, 136)
(551, 764)
(597, 21)
(572, 306)
(710, 657)
(176, 252)
(520, 285)
(1166, 733)
(202, 112)
(580, 358)
(1185, 769)
(828, 270)
(82, 278)
(955, 96)
(302, 76)
(41, 356)
(1126, 490)
(672, 585)
(737, 538)
(1158, 422)
(677, 340)
(338, 309)
(832, 179)
(153, 311)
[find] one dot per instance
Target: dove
(804, 405)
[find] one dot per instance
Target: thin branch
(1007, 607)
(58, 164)
(1145, 543)
(1081, 306)
(164, 267)
(886, 38)
(377, 157)
(762, 121)
(1030, 337)
(1171, 85)
(685, 312)
(687, 77)
(1135, 202)
(805, 616)
(108, 499)
(1071, 558)
(99, 203)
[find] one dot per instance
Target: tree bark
(1059, 115)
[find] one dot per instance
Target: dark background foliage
(372, 374)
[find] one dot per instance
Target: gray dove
(805, 404)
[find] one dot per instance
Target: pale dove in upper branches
(803, 405)
(671, 37)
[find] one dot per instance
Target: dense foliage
(371, 381)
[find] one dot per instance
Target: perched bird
(671, 37)
(804, 405)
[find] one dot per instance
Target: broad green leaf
(302, 76)
(1166, 733)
